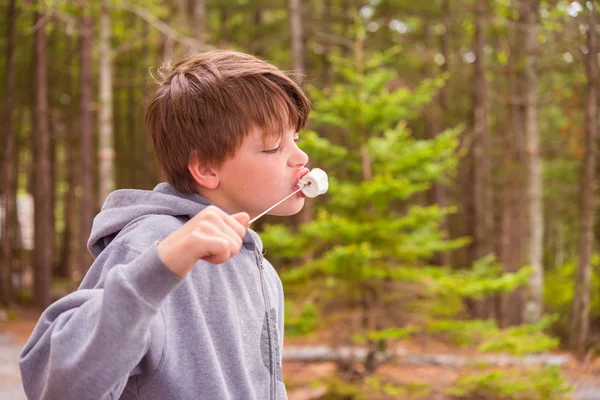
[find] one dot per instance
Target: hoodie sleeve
(86, 345)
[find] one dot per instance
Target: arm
(86, 344)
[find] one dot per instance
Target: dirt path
(10, 375)
(14, 334)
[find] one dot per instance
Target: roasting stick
(270, 208)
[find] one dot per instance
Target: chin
(289, 208)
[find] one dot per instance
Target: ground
(300, 377)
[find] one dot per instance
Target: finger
(219, 240)
(239, 222)
(231, 228)
(217, 248)
(243, 218)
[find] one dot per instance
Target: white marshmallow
(315, 183)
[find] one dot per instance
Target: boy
(179, 302)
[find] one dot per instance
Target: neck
(217, 197)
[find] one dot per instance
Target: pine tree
(372, 239)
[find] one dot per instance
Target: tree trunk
(223, 28)
(533, 309)
(327, 47)
(135, 159)
(445, 50)
(440, 190)
(44, 229)
(295, 18)
(182, 8)
(347, 16)
(482, 195)
(106, 154)
(66, 260)
(8, 168)
(149, 160)
(480, 167)
(256, 45)
(199, 19)
(87, 199)
(514, 222)
(295, 14)
(581, 297)
(433, 125)
(22, 256)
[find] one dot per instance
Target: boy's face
(260, 174)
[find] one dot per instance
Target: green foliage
(375, 238)
(558, 293)
(373, 387)
(544, 383)
(486, 277)
(391, 333)
(518, 340)
(377, 386)
(300, 319)
(523, 339)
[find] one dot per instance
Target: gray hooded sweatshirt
(134, 330)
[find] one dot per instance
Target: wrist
(174, 258)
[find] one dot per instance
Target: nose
(299, 158)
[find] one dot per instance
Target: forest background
(460, 139)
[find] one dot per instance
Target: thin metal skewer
(272, 207)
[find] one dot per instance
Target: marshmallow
(315, 183)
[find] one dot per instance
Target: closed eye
(272, 151)
(275, 150)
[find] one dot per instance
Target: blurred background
(455, 254)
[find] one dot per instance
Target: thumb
(243, 218)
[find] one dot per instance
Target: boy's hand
(212, 235)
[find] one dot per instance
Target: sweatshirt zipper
(273, 386)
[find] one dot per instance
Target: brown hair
(206, 104)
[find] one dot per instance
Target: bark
(533, 309)
(433, 125)
(295, 14)
(149, 164)
(87, 199)
(223, 28)
(257, 19)
(118, 118)
(481, 167)
(581, 299)
(7, 257)
(44, 229)
(370, 296)
(134, 151)
(106, 153)
(327, 47)
(347, 17)
(481, 192)
(65, 261)
(513, 228)
(199, 19)
(182, 7)
(445, 50)
(295, 18)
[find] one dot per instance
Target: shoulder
(144, 231)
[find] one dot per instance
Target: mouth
(300, 175)
(304, 171)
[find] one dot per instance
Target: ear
(203, 175)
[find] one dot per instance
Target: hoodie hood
(126, 205)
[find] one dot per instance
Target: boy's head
(216, 120)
